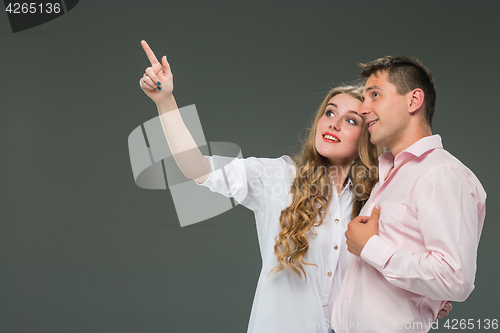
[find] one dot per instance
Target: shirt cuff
(377, 252)
(206, 182)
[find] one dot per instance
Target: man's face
(384, 110)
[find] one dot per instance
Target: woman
(302, 207)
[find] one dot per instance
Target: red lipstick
(328, 140)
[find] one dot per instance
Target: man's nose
(364, 110)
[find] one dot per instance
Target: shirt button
(335, 247)
(329, 273)
(336, 220)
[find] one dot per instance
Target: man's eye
(375, 94)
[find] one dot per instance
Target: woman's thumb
(164, 63)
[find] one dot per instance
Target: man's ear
(416, 100)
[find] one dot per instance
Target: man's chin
(376, 140)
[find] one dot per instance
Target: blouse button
(335, 247)
(329, 273)
(336, 220)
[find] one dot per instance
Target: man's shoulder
(440, 157)
(440, 163)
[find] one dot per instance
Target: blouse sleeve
(250, 181)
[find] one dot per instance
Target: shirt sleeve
(450, 217)
(250, 181)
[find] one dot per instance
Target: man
(418, 248)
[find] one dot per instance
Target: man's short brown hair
(406, 74)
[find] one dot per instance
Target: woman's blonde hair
(311, 190)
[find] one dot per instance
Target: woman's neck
(339, 172)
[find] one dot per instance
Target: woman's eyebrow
(352, 111)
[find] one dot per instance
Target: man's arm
(450, 216)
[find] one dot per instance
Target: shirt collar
(417, 149)
(347, 188)
(349, 182)
(387, 160)
(424, 145)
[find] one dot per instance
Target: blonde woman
(302, 206)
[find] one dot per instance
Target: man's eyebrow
(371, 88)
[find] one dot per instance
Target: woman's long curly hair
(311, 190)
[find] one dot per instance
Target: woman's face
(339, 129)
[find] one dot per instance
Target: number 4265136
(33, 8)
(455, 324)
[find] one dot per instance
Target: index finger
(149, 53)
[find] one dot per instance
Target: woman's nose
(335, 124)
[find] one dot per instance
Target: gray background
(83, 249)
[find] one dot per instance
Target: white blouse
(283, 303)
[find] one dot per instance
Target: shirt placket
(398, 163)
(345, 324)
(335, 215)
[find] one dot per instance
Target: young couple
(399, 228)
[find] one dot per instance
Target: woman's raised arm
(157, 83)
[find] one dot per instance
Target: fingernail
(159, 88)
(159, 83)
(377, 206)
(166, 58)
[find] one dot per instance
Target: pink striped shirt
(432, 213)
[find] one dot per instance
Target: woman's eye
(352, 121)
(328, 113)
